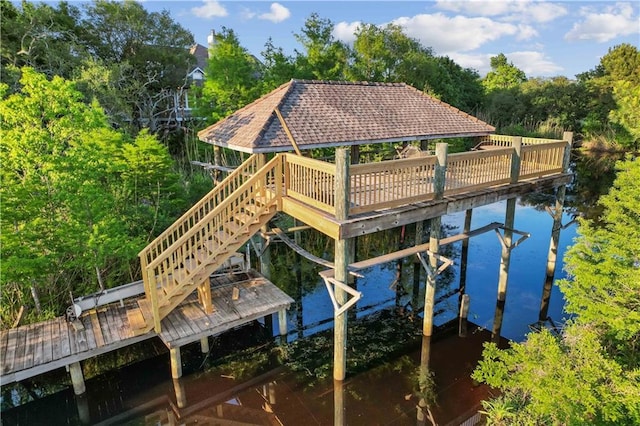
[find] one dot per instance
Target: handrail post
(279, 180)
(155, 306)
(440, 174)
(516, 158)
(567, 137)
(342, 184)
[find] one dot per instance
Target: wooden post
(181, 395)
(204, 344)
(176, 362)
(204, 296)
(464, 257)
(338, 403)
(464, 313)
(434, 246)
(84, 414)
(505, 258)
(217, 161)
(417, 268)
(282, 324)
(555, 233)
(77, 379)
(341, 263)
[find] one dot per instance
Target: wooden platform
(35, 349)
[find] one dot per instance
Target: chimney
(211, 39)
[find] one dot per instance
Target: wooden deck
(35, 349)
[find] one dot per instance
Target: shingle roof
(201, 54)
(331, 113)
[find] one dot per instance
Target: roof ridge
(348, 83)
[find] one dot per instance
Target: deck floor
(35, 349)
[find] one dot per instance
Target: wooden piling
(505, 258)
(338, 403)
(464, 257)
(204, 344)
(282, 323)
(341, 263)
(181, 395)
(77, 379)
(434, 240)
(555, 233)
(464, 313)
(176, 362)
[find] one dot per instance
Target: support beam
(204, 296)
(505, 258)
(556, 214)
(176, 362)
(77, 379)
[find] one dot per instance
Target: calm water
(143, 393)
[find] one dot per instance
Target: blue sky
(543, 38)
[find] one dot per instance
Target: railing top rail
(311, 163)
(357, 169)
(197, 205)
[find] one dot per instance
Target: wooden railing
(386, 184)
(310, 181)
(474, 170)
(542, 159)
(199, 250)
(228, 186)
(506, 141)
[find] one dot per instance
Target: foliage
(324, 57)
(232, 77)
(503, 75)
(601, 344)
(78, 198)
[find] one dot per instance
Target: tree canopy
(79, 199)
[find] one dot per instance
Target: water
(251, 391)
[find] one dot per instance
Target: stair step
(234, 228)
(245, 218)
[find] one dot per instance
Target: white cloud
(345, 31)
(614, 21)
(278, 13)
(247, 14)
(521, 10)
(526, 32)
(210, 9)
(457, 34)
(534, 64)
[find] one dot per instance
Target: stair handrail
(259, 174)
(246, 168)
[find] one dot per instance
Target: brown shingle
(330, 113)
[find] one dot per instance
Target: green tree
(47, 38)
(503, 75)
(232, 77)
(278, 67)
(79, 199)
(590, 374)
(324, 57)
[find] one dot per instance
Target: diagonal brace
(446, 262)
(337, 309)
(523, 236)
(552, 212)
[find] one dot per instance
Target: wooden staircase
(182, 258)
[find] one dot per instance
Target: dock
(34, 349)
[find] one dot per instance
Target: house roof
(331, 113)
(201, 54)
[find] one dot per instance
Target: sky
(542, 38)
